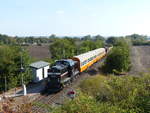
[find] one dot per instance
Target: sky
(74, 17)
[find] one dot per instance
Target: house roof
(39, 64)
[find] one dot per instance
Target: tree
(98, 37)
(10, 63)
(88, 37)
(111, 40)
(4, 39)
(137, 39)
(52, 36)
(86, 45)
(62, 48)
(89, 45)
(119, 59)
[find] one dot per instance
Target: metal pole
(21, 69)
(5, 84)
(22, 77)
(23, 85)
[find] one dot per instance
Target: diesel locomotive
(65, 70)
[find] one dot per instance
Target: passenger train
(65, 70)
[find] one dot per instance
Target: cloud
(60, 12)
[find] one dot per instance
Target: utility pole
(22, 69)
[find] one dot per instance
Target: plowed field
(39, 52)
(140, 56)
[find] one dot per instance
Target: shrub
(118, 60)
(127, 92)
(100, 94)
(86, 104)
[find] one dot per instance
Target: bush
(118, 60)
(86, 104)
(100, 94)
(130, 93)
(93, 88)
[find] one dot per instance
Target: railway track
(44, 100)
(49, 100)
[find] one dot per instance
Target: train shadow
(92, 72)
(96, 71)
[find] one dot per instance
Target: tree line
(5, 39)
(30, 40)
(135, 39)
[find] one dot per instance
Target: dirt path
(140, 57)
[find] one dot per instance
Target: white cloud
(60, 12)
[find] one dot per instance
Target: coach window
(91, 59)
(86, 61)
(82, 63)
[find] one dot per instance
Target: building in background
(39, 70)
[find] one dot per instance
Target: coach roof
(87, 55)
